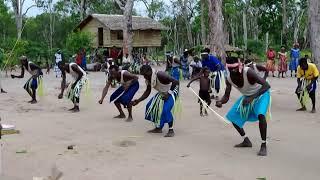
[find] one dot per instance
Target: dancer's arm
(226, 96)
(63, 83)
(105, 90)
(21, 75)
(144, 96)
(262, 68)
(192, 80)
(79, 72)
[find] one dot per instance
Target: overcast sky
(139, 6)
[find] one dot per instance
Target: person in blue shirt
(216, 67)
(295, 56)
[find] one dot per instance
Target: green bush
(77, 41)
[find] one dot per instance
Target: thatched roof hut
(107, 30)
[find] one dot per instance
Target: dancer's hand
(13, 76)
(100, 101)
(60, 96)
(247, 100)
(309, 87)
(298, 90)
(219, 104)
(134, 102)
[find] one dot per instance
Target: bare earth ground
(112, 149)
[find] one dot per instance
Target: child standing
(205, 90)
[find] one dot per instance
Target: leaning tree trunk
(216, 29)
(314, 19)
(203, 26)
(127, 28)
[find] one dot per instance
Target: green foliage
(78, 40)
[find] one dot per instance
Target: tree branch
(28, 10)
(120, 4)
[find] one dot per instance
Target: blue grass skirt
(240, 114)
(161, 111)
(124, 97)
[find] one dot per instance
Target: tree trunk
(232, 33)
(284, 23)
(314, 19)
(17, 8)
(216, 29)
(186, 20)
(245, 30)
(267, 41)
(203, 26)
(127, 29)
(83, 9)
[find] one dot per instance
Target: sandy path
(202, 148)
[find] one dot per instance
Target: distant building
(107, 31)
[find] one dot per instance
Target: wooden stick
(203, 102)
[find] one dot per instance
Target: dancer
(271, 55)
(58, 57)
(217, 69)
(307, 75)
(34, 81)
(252, 106)
(205, 90)
(283, 66)
(295, 56)
(124, 94)
(259, 69)
(160, 109)
(74, 88)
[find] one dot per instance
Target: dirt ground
(112, 149)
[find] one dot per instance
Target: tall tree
(19, 14)
(314, 19)
(216, 40)
(127, 7)
(203, 25)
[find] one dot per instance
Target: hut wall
(141, 38)
(92, 27)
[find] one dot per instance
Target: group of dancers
(248, 77)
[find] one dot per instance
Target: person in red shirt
(271, 55)
(79, 58)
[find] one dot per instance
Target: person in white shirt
(195, 66)
(58, 57)
(126, 62)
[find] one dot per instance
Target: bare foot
(170, 133)
(129, 119)
(302, 109)
(263, 150)
(245, 144)
(155, 130)
(121, 116)
(33, 102)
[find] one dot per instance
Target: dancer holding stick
(253, 106)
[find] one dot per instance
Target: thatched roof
(115, 22)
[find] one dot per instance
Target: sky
(139, 6)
